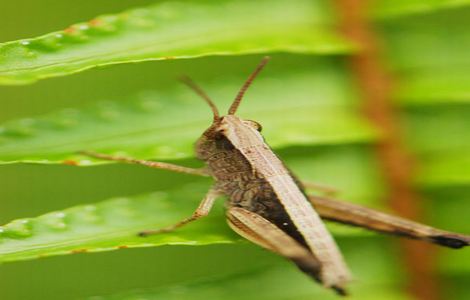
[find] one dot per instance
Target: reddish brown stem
(397, 165)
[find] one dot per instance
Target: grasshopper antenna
(241, 93)
(191, 84)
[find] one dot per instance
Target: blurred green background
(426, 51)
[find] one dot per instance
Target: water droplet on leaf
(55, 220)
(20, 228)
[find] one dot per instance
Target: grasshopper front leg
(356, 215)
(148, 163)
(202, 210)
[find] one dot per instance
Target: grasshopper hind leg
(356, 215)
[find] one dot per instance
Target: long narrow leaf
(311, 106)
(279, 283)
(172, 30)
(397, 8)
(114, 223)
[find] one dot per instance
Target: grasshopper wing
(260, 231)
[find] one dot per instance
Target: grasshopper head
(215, 137)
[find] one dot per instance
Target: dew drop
(77, 33)
(84, 162)
(55, 220)
(122, 208)
(27, 122)
(18, 229)
(110, 115)
(167, 12)
(141, 18)
(108, 111)
(104, 24)
(30, 54)
(149, 105)
(164, 150)
(65, 123)
(50, 42)
(83, 27)
(67, 118)
(89, 214)
(21, 128)
(180, 154)
(90, 208)
(122, 201)
(2, 230)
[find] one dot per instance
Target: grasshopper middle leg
(203, 210)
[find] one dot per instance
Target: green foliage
(397, 8)
(307, 104)
(130, 127)
(267, 284)
(172, 30)
(113, 224)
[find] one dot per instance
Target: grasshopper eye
(254, 124)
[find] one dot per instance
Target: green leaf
(449, 207)
(431, 66)
(113, 224)
(418, 56)
(438, 130)
(172, 30)
(449, 204)
(280, 283)
(316, 108)
(380, 274)
(396, 8)
(447, 169)
(430, 61)
(438, 86)
(438, 137)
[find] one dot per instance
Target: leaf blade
(114, 224)
(173, 30)
(151, 126)
(399, 8)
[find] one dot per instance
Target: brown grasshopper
(268, 205)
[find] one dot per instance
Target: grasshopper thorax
(219, 136)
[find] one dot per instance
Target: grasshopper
(269, 206)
